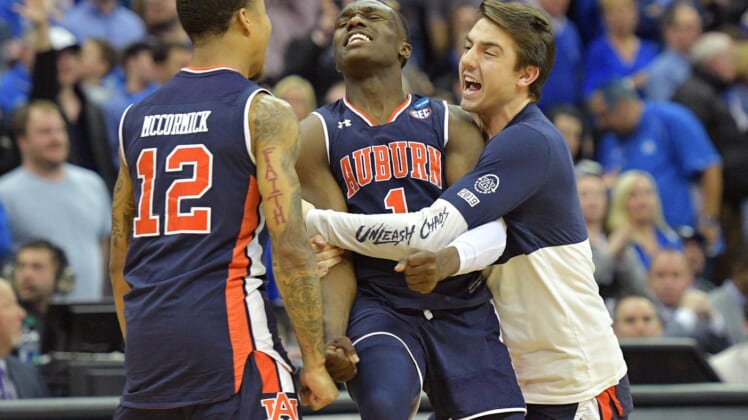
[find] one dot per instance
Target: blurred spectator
(298, 92)
(636, 213)
(15, 83)
(48, 198)
(336, 91)
(56, 76)
(161, 20)
(169, 58)
(564, 84)
(731, 298)
(635, 316)
(446, 77)
(731, 364)
(17, 379)
(620, 52)
(681, 27)
(104, 19)
(140, 80)
(5, 242)
(667, 141)
(310, 55)
(98, 61)
(39, 272)
(588, 17)
(572, 124)
(714, 69)
(618, 271)
(694, 246)
(685, 311)
(297, 18)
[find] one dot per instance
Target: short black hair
(201, 18)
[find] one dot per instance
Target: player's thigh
(470, 373)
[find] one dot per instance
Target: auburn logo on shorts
(281, 407)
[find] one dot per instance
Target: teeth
(361, 37)
(470, 80)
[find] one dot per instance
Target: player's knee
(385, 404)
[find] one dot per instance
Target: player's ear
(243, 20)
(405, 51)
(528, 75)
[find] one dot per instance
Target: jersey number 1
(196, 219)
(395, 201)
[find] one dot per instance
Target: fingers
(345, 344)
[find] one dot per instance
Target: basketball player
(208, 163)
(556, 325)
(376, 150)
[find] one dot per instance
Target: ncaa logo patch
(421, 103)
(421, 114)
(487, 184)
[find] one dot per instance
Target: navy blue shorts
(267, 392)
(457, 355)
(612, 404)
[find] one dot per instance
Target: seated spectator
(169, 58)
(685, 311)
(635, 316)
(732, 296)
(17, 379)
(299, 93)
(636, 213)
(48, 198)
(665, 140)
(694, 246)
(620, 53)
(731, 364)
(572, 124)
(40, 271)
(618, 271)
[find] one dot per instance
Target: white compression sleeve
(389, 236)
(481, 246)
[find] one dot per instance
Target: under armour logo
(344, 123)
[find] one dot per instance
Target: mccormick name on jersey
(398, 159)
(173, 124)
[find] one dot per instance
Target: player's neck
(214, 56)
(496, 119)
(376, 98)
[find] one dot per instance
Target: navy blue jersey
(396, 167)
(196, 311)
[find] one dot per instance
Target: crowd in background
(651, 96)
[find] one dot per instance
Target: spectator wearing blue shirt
(667, 141)
(6, 245)
(564, 84)
(620, 52)
(681, 27)
(105, 19)
(636, 213)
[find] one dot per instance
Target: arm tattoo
(272, 177)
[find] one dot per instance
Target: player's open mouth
(356, 39)
(471, 85)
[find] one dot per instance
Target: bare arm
(123, 212)
(276, 146)
(464, 146)
(711, 188)
(320, 188)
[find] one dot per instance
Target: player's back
(194, 258)
(395, 167)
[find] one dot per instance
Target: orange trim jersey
(196, 309)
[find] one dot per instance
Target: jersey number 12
(195, 219)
